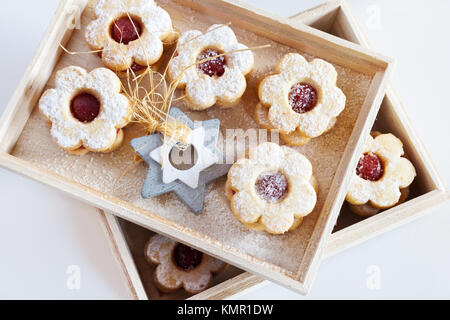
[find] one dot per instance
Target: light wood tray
(292, 259)
(427, 191)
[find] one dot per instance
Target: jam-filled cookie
(180, 266)
(295, 138)
(129, 33)
(86, 111)
(382, 177)
(208, 67)
(302, 99)
(272, 189)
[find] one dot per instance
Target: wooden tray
(427, 191)
(291, 260)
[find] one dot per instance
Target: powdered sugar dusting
(156, 23)
(171, 276)
(202, 90)
(101, 133)
(293, 69)
(272, 188)
(398, 173)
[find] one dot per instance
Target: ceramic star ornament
(189, 185)
(205, 159)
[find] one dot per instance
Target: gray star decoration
(154, 185)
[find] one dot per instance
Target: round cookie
(207, 67)
(86, 111)
(272, 189)
(130, 34)
(382, 176)
(301, 98)
(179, 266)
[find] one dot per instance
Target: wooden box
(427, 191)
(291, 260)
(127, 242)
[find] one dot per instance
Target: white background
(43, 232)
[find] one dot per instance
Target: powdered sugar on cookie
(203, 90)
(155, 24)
(302, 96)
(398, 173)
(170, 277)
(272, 188)
(71, 133)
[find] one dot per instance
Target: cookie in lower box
(382, 177)
(179, 266)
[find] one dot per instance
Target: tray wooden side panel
(38, 72)
(123, 255)
(325, 224)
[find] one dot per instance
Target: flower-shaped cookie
(180, 266)
(293, 139)
(86, 110)
(130, 33)
(302, 96)
(381, 173)
(207, 77)
(272, 189)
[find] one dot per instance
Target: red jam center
(370, 167)
(137, 67)
(187, 258)
(126, 30)
(303, 97)
(214, 66)
(85, 107)
(272, 187)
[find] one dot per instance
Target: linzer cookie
(293, 139)
(86, 111)
(180, 266)
(382, 177)
(210, 67)
(302, 99)
(272, 189)
(129, 33)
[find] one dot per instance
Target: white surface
(44, 232)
